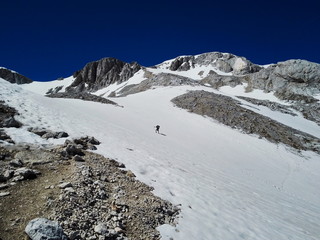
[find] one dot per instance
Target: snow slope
(230, 185)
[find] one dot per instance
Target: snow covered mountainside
(238, 148)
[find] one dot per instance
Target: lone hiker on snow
(157, 128)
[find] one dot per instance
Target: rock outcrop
(230, 112)
(290, 80)
(13, 77)
(161, 79)
(82, 96)
(224, 62)
(99, 74)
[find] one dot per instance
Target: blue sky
(44, 40)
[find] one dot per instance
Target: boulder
(25, 173)
(16, 163)
(101, 228)
(44, 229)
(11, 122)
(72, 150)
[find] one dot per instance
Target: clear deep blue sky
(44, 40)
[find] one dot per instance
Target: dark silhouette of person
(157, 128)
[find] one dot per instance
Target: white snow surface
(229, 185)
(43, 87)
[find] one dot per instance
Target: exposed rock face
(224, 62)
(7, 117)
(99, 74)
(229, 112)
(288, 79)
(83, 96)
(162, 79)
(13, 77)
(215, 80)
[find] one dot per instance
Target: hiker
(157, 128)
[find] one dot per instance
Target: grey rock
(101, 228)
(223, 66)
(162, 79)
(11, 122)
(65, 185)
(62, 135)
(93, 141)
(13, 77)
(72, 150)
(44, 229)
(6, 175)
(25, 173)
(77, 158)
(4, 194)
(99, 74)
(3, 186)
(16, 163)
(288, 79)
(48, 135)
(81, 95)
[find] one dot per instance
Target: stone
(62, 135)
(130, 174)
(16, 163)
(11, 122)
(3, 186)
(77, 158)
(65, 185)
(70, 190)
(6, 175)
(93, 141)
(101, 228)
(72, 150)
(44, 229)
(3, 194)
(26, 173)
(48, 135)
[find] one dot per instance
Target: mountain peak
(98, 74)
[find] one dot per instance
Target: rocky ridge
(13, 77)
(82, 96)
(230, 112)
(99, 74)
(224, 62)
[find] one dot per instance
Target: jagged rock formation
(290, 80)
(229, 112)
(99, 74)
(224, 62)
(13, 77)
